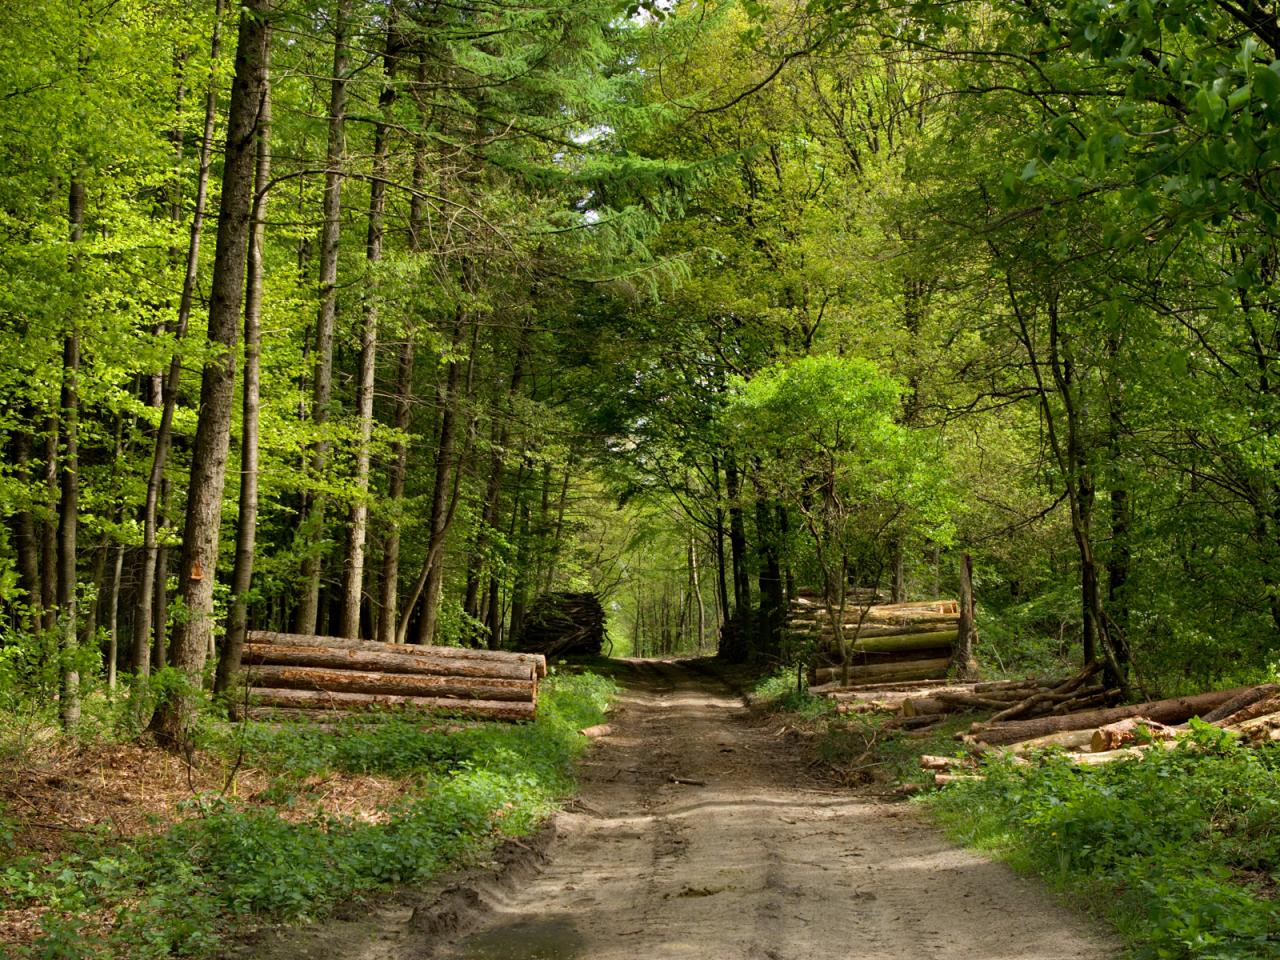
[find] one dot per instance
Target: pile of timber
(1094, 737)
(293, 675)
(563, 624)
(888, 642)
(1009, 700)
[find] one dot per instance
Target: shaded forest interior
(383, 319)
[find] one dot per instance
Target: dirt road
(756, 863)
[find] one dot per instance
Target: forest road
(698, 834)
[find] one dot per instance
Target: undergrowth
(1181, 850)
(176, 893)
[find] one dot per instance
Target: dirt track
(755, 864)
(758, 863)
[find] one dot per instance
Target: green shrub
(1183, 847)
(174, 894)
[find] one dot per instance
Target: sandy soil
(748, 859)
(758, 863)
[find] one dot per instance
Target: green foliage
(174, 893)
(786, 691)
(1180, 849)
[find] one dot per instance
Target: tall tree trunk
(772, 601)
(250, 404)
(440, 518)
(160, 615)
(358, 521)
(395, 493)
(498, 435)
(737, 541)
(217, 387)
(113, 619)
(1120, 555)
(322, 386)
(149, 581)
(963, 663)
(722, 576)
(784, 537)
(696, 584)
(69, 494)
(520, 584)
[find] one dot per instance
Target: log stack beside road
(300, 675)
(563, 624)
(888, 642)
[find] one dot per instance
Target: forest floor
(703, 830)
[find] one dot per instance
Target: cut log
(1174, 710)
(408, 685)
(970, 701)
(915, 670)
(942, 779)
(1066, 740)
(1258, 729)
(905, 686)
(325, 700)
(1259, 708)
(930, 762)
(1124, 732)
(876, 630)
(990, 686)
(407, 649)
(830, 657)
(597, 731)
(339, 658)
(1106, 756)
(927, 707)
(1246, 699)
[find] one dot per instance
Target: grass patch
(1181, 850)
(176, 891)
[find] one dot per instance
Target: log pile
(888, 642)
(563, 624)
(1009, 700)
(1093, 737)
(303, 676)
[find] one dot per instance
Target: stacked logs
(1094, 737)
(889, 642)
(563, 624)
(299, 675)
(1010, 700)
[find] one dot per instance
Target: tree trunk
(963, 663)
(160, 651)
(395, 494)
(69, 494)
(498, 435)
(773, 602)
(697, 593)
(250, 404)
(341, 700)
(737, 542)
(353, 569)
(217, 388)
(149, 580)
(113, 619)
(322, 385)
(441, 515)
